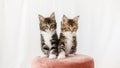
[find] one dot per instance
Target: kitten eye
(75, 28)
(53, 25)
(67, 29)
(45, 27)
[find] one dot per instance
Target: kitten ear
(65, 19)
(76, 19)
(52, 16)
(41, 18)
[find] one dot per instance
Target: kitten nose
(72, 31)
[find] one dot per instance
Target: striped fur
(49, 38)
(67, 41)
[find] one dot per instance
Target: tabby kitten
(67, 41)
(49, 38)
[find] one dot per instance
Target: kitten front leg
(62, 53)
(72, 52)
(54, 49)
(53, 52)
(44, 55)
(45, 50)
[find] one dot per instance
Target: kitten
(49, 38)
(67, 41)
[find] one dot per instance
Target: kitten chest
(47, 37)
(69, 43)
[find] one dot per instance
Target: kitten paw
(52, 56)
(61, 55)
(43, 56)
(71, 55)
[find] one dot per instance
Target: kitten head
(69, 25)
(47, 24)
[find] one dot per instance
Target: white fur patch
(61, 55)
(52, 56)
(43, 55)
(69, 43)
(47, 37)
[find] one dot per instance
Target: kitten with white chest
(67, 41)
(49, 38)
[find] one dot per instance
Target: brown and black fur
(68, 25)
(54, 42)
(62, 41)
(49, 23)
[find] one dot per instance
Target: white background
(98, 34)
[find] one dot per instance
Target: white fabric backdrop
(98, 34)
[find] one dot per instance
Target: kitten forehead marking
(69, 23)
